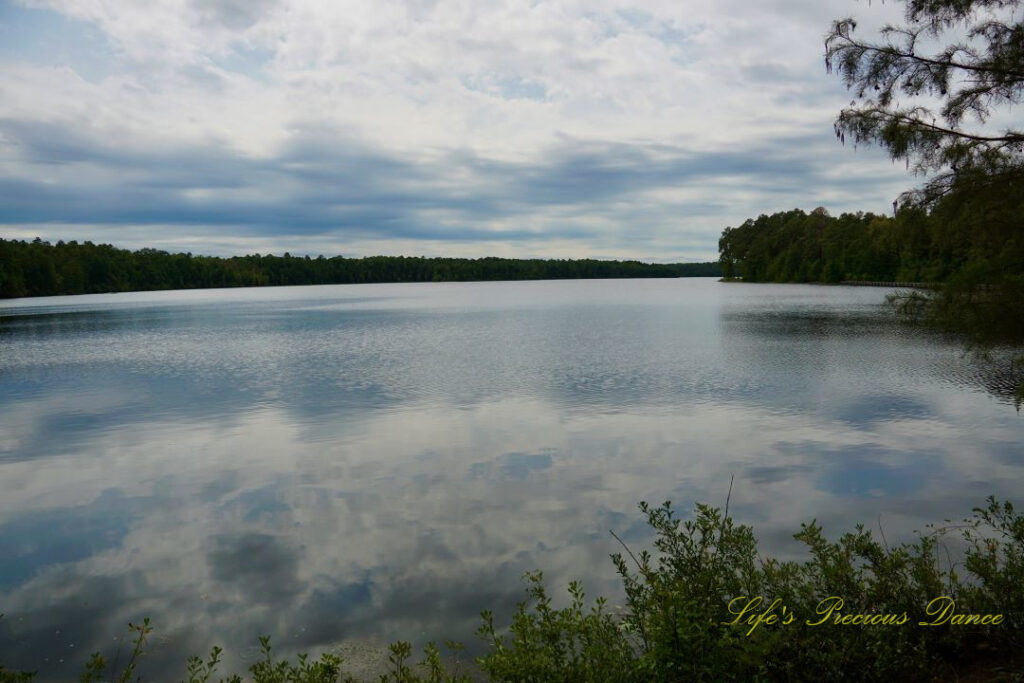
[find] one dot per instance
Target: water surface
(344, 465)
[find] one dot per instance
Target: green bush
(545, 644)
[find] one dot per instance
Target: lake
(341, 466)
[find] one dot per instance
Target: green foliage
(969, 241)
(693, 608)
(96, 670)
(996, 557)
(399, 670)
(38, 268)
(676, 605)
(547, 644)
(327, 669)
(199, 671)
(795, 246)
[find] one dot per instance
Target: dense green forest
(963, 236)
(970, 242)
(38, 268)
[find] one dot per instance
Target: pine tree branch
(892, 50)
(1010, 137)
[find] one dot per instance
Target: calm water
(341, 466)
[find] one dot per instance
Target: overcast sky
(530, 128)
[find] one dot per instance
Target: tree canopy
(931, 104)
(39, 268)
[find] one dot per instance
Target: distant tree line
(970, 241)
(965, 237)
(38, 268)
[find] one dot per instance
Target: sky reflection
(340, 465)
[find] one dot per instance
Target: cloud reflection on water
(330, 476)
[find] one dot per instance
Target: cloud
(554, 129)
(261, 567)
(322, 182)
(236, 15)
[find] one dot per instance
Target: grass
(704, 605)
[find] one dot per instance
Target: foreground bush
(707, 607)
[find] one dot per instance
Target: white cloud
(505, 82)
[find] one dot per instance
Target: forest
(968, 245)
(973, 235)
(38, 268)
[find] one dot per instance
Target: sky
(517, 128)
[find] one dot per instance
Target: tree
(897, 79)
